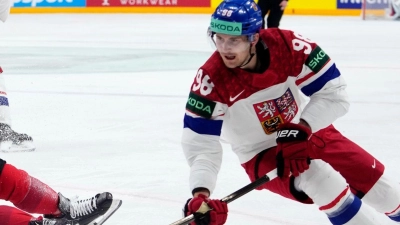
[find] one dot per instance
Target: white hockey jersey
(245, 108)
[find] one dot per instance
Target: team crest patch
(275, 112)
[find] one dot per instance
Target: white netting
(375, 9)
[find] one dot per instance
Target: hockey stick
(235, 195)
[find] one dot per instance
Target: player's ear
(256, 38)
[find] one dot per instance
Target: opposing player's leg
(10, 141)
(363, 172)
(31, 195)
(26, 192)
(13, 216)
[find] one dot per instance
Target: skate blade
(114, 207)
(9, 147)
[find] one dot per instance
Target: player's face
(234, 50)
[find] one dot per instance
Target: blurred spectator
(274, 9)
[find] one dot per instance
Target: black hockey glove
(292, 155)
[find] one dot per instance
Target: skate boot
(11, 141)
(53, 221)
(85, 211)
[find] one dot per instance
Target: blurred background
(295, 7)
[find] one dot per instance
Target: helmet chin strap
(251, 57)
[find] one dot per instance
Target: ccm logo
(288, 133)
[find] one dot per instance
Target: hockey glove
(292, 150)
(206, 211)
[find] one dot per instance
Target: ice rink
(103, 96)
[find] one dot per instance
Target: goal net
(377, 9)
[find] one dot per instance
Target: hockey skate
(11, 141)
(53, 221)
(91, 211)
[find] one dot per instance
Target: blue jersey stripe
(317, 85)
(203, 126)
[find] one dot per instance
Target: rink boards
(295, 7)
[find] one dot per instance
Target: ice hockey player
(273, 95)
(29, 194)
(9, 139)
